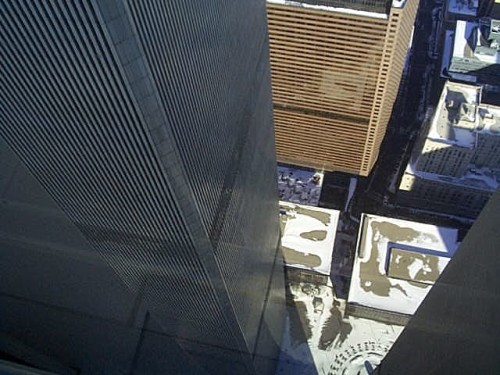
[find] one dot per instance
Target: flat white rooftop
(396, 3)
(397, 261)
(308, 236)
(450, 126)
(475, 178)
(445, 130)
(470, 43)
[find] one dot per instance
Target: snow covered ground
(397, 261)
(308, 236)
(320, 339)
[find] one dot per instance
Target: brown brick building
(336, 68)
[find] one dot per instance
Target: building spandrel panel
(336, 68)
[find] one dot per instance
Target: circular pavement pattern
(358, 359)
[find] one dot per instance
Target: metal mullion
(177, 74)
(213, 167)
(182, 242)
(47, 157)
(60, 193)
(48, 96)
(25, 149)
(161, 194)
(117, 118)
(165, 89)
(131, 195)
(123, 92)
(197, 71)
(27, 91)
(138, 161)
(76, 215)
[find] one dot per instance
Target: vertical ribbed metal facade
(455, 329)
(150, 125)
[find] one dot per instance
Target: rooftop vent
(495, 30)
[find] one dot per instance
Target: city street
(419, 89)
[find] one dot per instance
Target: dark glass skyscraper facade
(455, 330)
(140, 220)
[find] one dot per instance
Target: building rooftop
(476, 50)
(397, 261)
(366, 8)
(480, 179)
(488, 120)
(458, 120)
(476, 178)
(455, 119)
(307, 236)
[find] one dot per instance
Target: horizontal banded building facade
(336, 68)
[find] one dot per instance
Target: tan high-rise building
(336, 68)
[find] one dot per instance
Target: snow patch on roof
(451, 126)
(332, 9)
(477, 178)
(308, 236)
(371, 285)
(462, 32)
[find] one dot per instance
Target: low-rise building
(396, 263)
(307, 239)
(455, 165)
(475, 55)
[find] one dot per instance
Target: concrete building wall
(454, 163)
(441, 197)
(141, 121)
(443, 158)
(487, 152)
